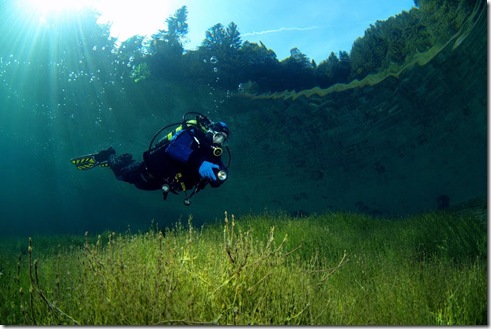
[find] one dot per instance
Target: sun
(126, 18)
(43, 11)
(144, 17)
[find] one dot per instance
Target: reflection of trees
(397, 39)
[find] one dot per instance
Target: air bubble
(213, 60)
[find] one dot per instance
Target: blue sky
(316, 27)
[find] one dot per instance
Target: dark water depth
(414, 141)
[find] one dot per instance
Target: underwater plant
(334, 269)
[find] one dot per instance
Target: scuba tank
(200, 121)
(155, 164)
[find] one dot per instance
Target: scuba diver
(187, 158)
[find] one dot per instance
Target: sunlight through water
(126, 18)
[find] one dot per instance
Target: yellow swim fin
(87, 162)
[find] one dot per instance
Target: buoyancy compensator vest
(158, 166)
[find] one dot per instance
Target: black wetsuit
(175, 163)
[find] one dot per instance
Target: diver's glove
(206, 170)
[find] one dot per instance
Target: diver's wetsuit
(175, 163)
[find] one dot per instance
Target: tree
(326, 70)
(221, 47)
(177, 26)
(221, 41)
(177, 29)
(298, 58)
(368, 53)
(344, 67)
(259, 64)
(166, 47)
(232, 36)
(297, 71)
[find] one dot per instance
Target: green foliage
(370, 50)
(255, 53)
(398, 39)
(297, 71)
(333, 70)
(222, 42)
(177, 25)
(444, 19)
(165, 49)
(386, 45)
(335, 269)
(78, 46)
(170, 40)
(298, 59)
(221, 45)
(258, 64)
(140, 72)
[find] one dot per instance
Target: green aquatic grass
(334, 269)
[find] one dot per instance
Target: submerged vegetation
(335, 269)
(332, 269)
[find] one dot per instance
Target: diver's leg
(104, 155)
(128, 170)
(123, 166)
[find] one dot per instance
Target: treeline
(229, 63)
(256, 68)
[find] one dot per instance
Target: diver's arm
(187, 149)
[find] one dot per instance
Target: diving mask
(219, 137)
